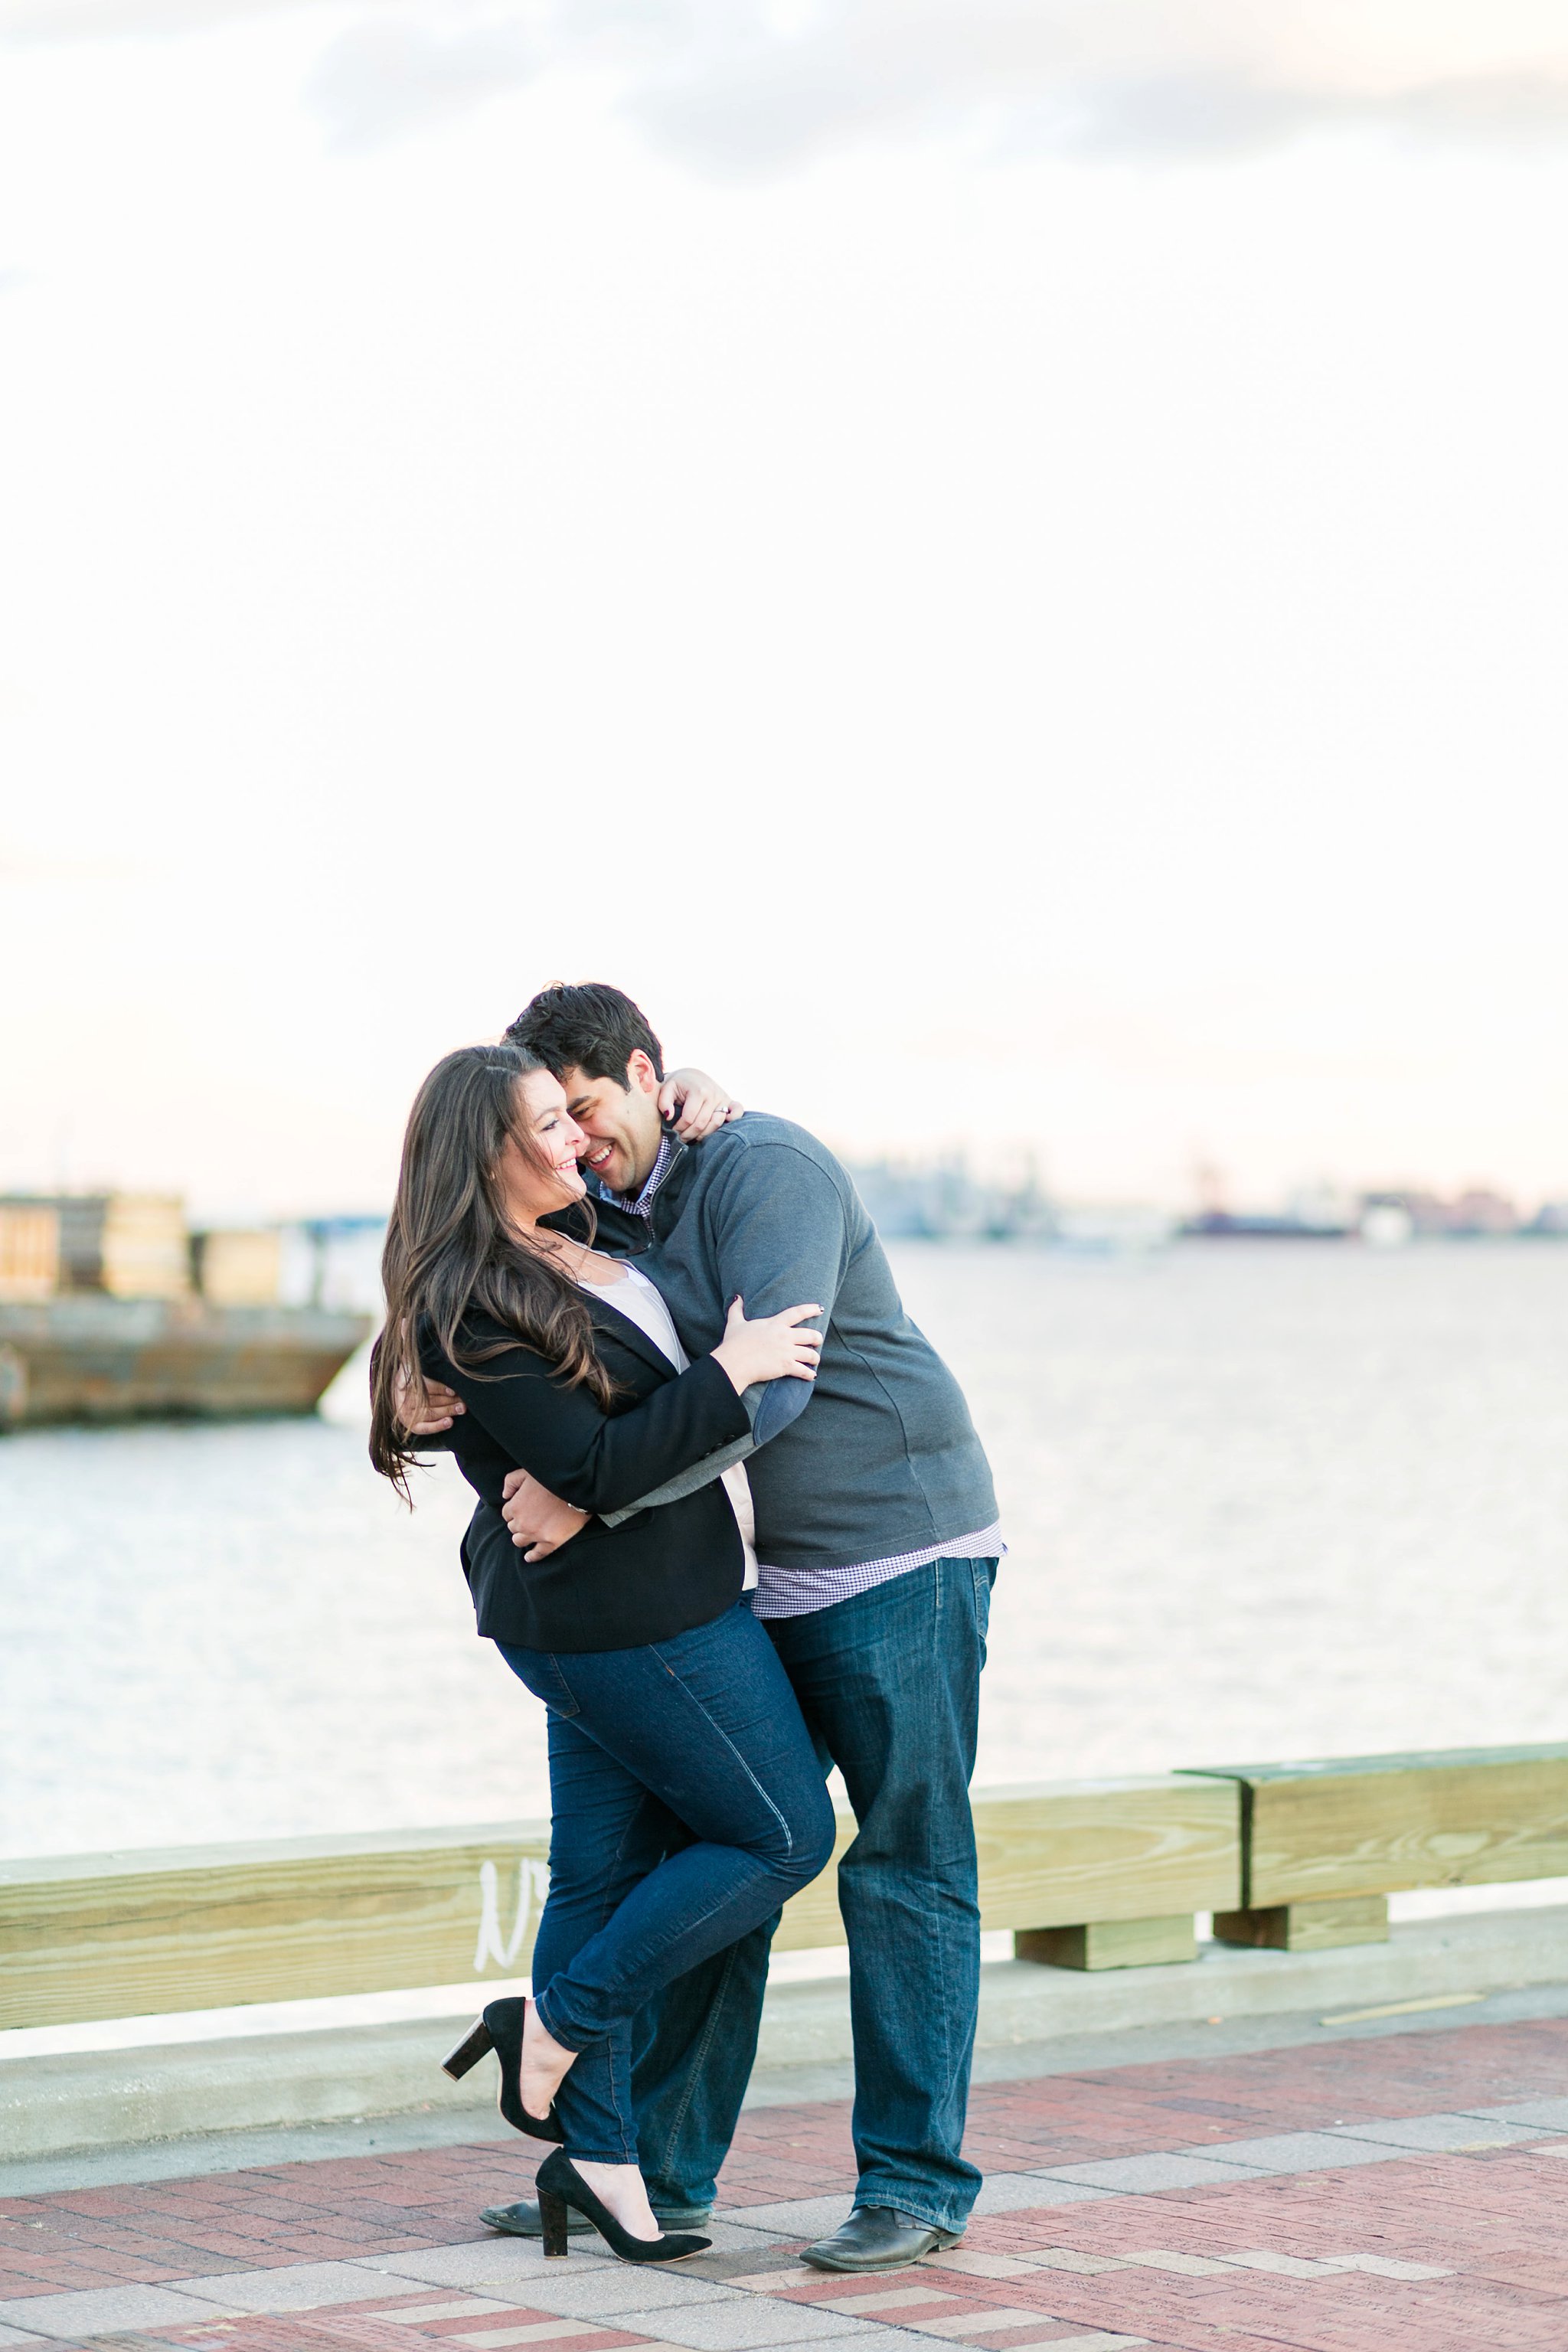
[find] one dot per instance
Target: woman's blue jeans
(687, 1804)
(890, 1682)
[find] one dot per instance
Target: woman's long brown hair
(451, 1253)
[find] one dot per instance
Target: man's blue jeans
(888, 1683)
(687, 1804)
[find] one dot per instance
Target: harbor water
(1262, 1500)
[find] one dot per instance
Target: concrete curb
(92, 2099)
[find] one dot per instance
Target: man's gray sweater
(878, 1455)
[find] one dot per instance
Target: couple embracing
(734, 1528)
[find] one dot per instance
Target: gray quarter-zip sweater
(878, 1455)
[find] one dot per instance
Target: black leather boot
(521, 2220)
(879, 2238)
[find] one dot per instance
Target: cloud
(738, 94)
(396, 74)
(750, 87)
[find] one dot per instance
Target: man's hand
(698, 1104)
(426, 1409)
(537, 1517)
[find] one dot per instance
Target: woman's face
(533, 1189)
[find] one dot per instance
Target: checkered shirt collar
(643, 1204)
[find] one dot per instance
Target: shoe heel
(468, 2052)
(552, 2223)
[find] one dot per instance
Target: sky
(1002, 567)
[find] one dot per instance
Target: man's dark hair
(593, 1028)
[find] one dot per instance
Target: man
(877, 1543)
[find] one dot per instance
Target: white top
(642, 1303)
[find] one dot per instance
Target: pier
(1311, 2128)
(112, 1309)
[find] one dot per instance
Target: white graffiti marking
(532, 1887)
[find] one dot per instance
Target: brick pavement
(1408, 2191)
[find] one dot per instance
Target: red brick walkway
(1389, 2249)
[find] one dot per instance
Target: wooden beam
(1112, 1943)
(138, 1934)
(125, 1935)
(1061, 1853)
(1307, 1926)
(1374, 1825)
(1056, 1853)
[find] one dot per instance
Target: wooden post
(1307, 1926)
(1112, 1943)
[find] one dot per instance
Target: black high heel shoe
(561, 2187)
(500, 2029)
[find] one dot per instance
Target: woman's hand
(537, 1517)
(698, 1103)
(425, 1409)
(774, 1348)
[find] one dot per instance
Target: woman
(687, 1800)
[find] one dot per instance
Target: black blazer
(657, 1574)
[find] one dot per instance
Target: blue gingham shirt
(642, 1206)
(799, 1592)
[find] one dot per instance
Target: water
(1263, 1501)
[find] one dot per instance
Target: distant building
(942, 1201)
(1471, 1215)
(124, 1244)
(1483, 1212)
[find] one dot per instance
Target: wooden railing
(1324, 1845)
(1088, 1875)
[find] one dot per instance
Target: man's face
(621, 1123)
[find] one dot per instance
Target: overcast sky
(1003, 567)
